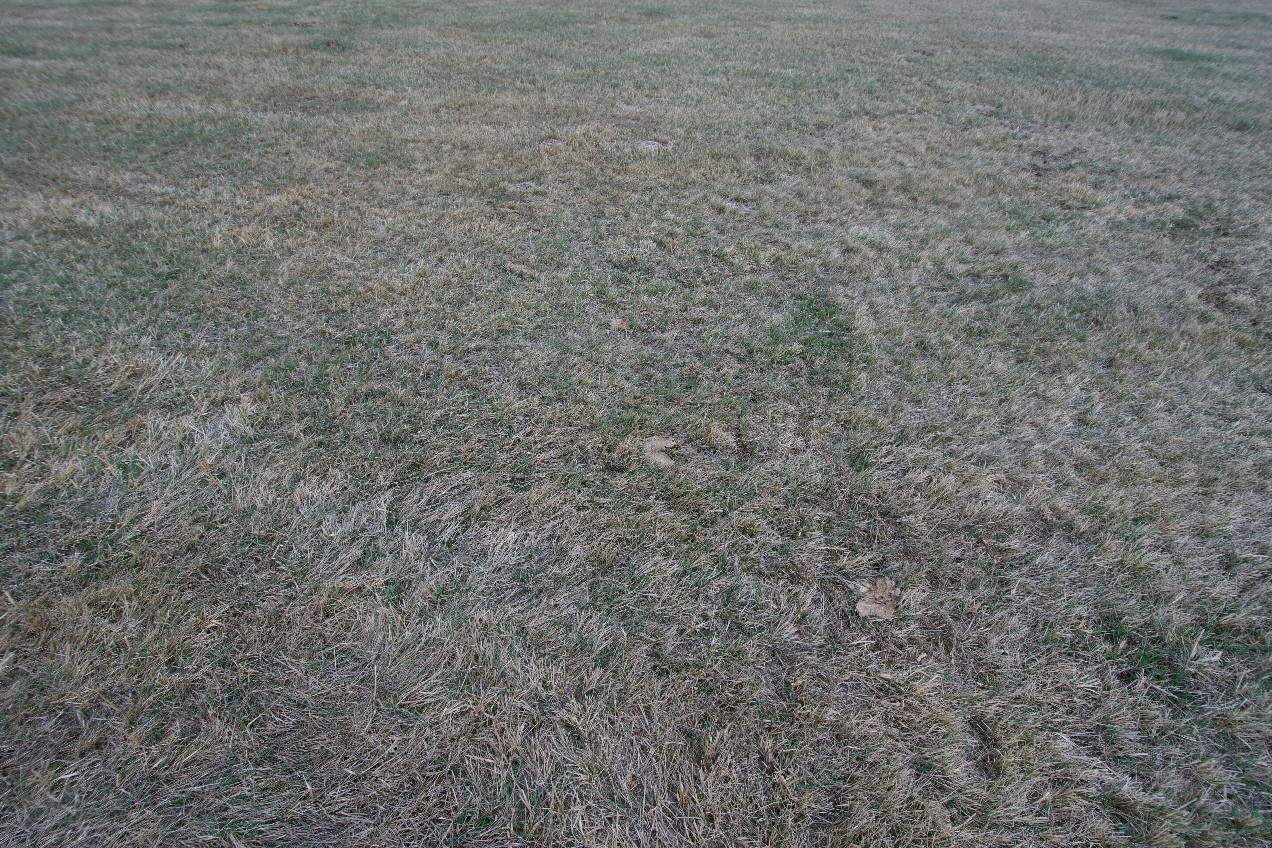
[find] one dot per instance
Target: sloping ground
(333, 335)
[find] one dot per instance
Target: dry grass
(333, 335)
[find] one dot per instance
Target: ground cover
(334, 336)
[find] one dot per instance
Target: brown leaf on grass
(656, 448)
(880, 599)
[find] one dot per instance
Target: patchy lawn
(494, 424)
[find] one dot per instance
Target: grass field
(332, 333)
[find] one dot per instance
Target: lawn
(334, 336)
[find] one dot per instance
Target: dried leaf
(656, 448)
(880, 599)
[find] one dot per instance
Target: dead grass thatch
(335, 339)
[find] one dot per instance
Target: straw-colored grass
(333, 336)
